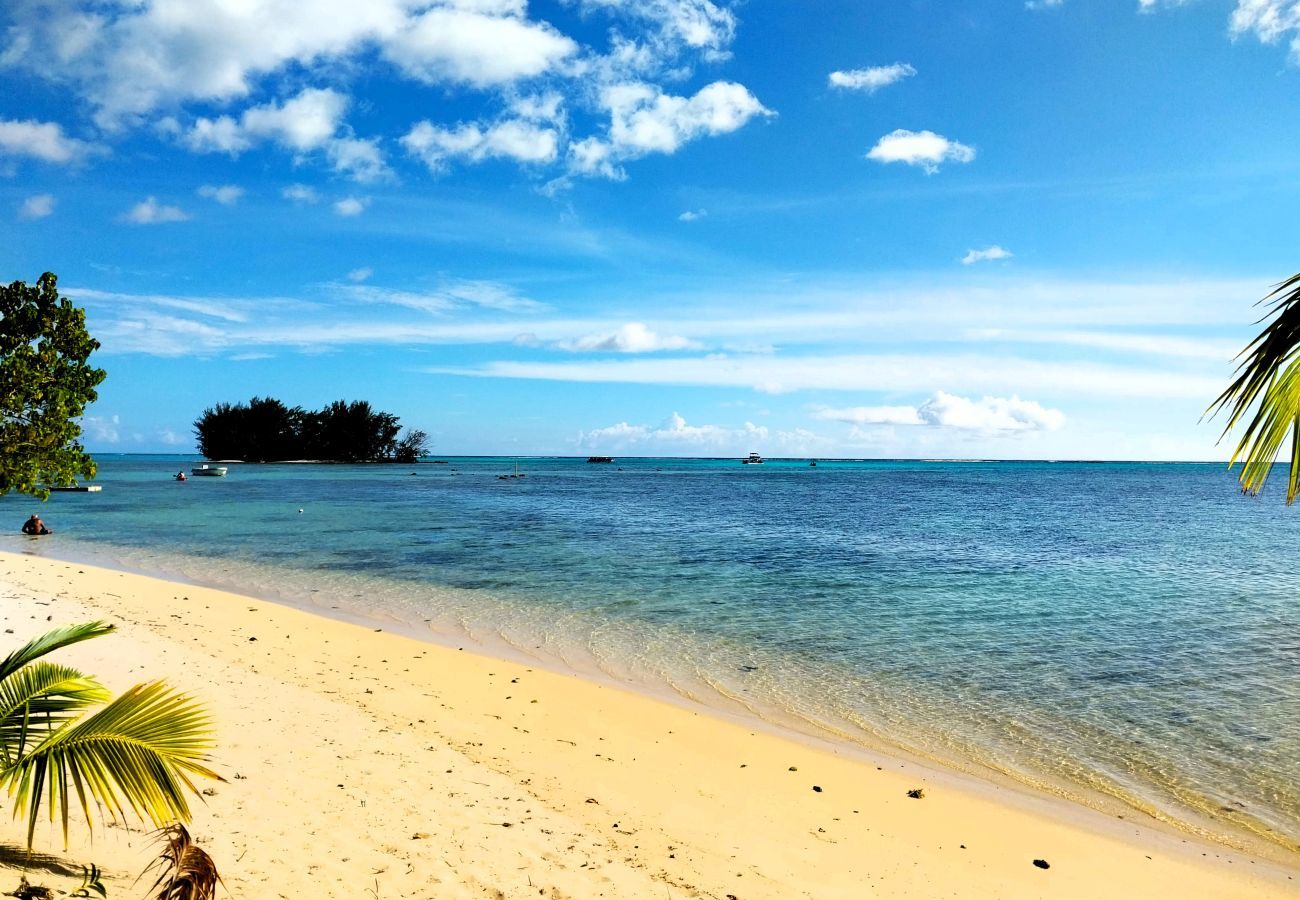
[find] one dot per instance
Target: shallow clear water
(1115, 632)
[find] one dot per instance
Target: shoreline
(868, 743)
(716, 786)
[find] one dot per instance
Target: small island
(265, 430)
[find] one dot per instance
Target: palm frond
(138, 752)
(51, 641)
(186, 872)
(1268, 381)
(39, 699)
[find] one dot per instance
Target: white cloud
(226, 194)
(42, 140)
(351, 206)
(634, 337)
(37, 207)
(150, 212)
(302, 123)
(445, 44)
(944, 410)
(517, 139)
(1268, 20)
(692, 215)
(362, 274)
(300, 193)
(1051, 4)
(867, 372)
(104, 429)
(451, 294)
(675, 431)
(871, 79)
(645, 120)
(361, 160)
(919, 148)
(988, 253)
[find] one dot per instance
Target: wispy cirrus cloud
(634, 337)
(945, 410)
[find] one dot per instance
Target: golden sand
(362, 764)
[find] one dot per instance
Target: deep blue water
(1121, 631)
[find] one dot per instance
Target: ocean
(1123, 634)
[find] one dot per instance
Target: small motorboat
(205, 469)
(752, 460)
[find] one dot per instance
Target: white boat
(205, 469)
(752, 460)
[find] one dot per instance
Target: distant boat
(600, 459)
(79, 488)
(752, 460)
(813, 464)
(205, 469)
(509, 477)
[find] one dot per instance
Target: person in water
(34, 525)
(180, 476)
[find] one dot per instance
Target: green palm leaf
(40, 699)
(1268, 381)
(51, 641)
(138, 752)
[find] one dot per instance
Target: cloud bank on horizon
(656, 203)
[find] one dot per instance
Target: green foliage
(136, 752)
(264, 430)
(90, 883)
(1268, 382)
(45, 384)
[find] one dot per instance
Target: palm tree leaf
(1267, 390)
(186, 871)
(51, 641)
(136, 753)
(37, 700)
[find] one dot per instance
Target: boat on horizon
(752, 460)
(205, 469)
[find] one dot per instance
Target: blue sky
(934, 229)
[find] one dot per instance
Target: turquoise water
(1124, 634)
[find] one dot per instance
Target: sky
(878, 228)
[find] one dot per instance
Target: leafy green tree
(1267, 391)
(261, 431)
(136, 752)
(45, 384)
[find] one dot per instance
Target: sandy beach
(363, 763)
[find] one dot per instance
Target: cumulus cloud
(988, 253)
(36, 207)
(150, 212)
(692, 215)
(448, 44)
(104, 429)
(42, 140)
(673, 430)
(1269, 21)
(919, 148)
(138, 64)
(517, 139)
(644, 120)
(351, 206)
(871, 79)
(225, 194)
(634, 337)
(944, 410)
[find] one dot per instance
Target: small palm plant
(136, 752)
(1268, 380)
